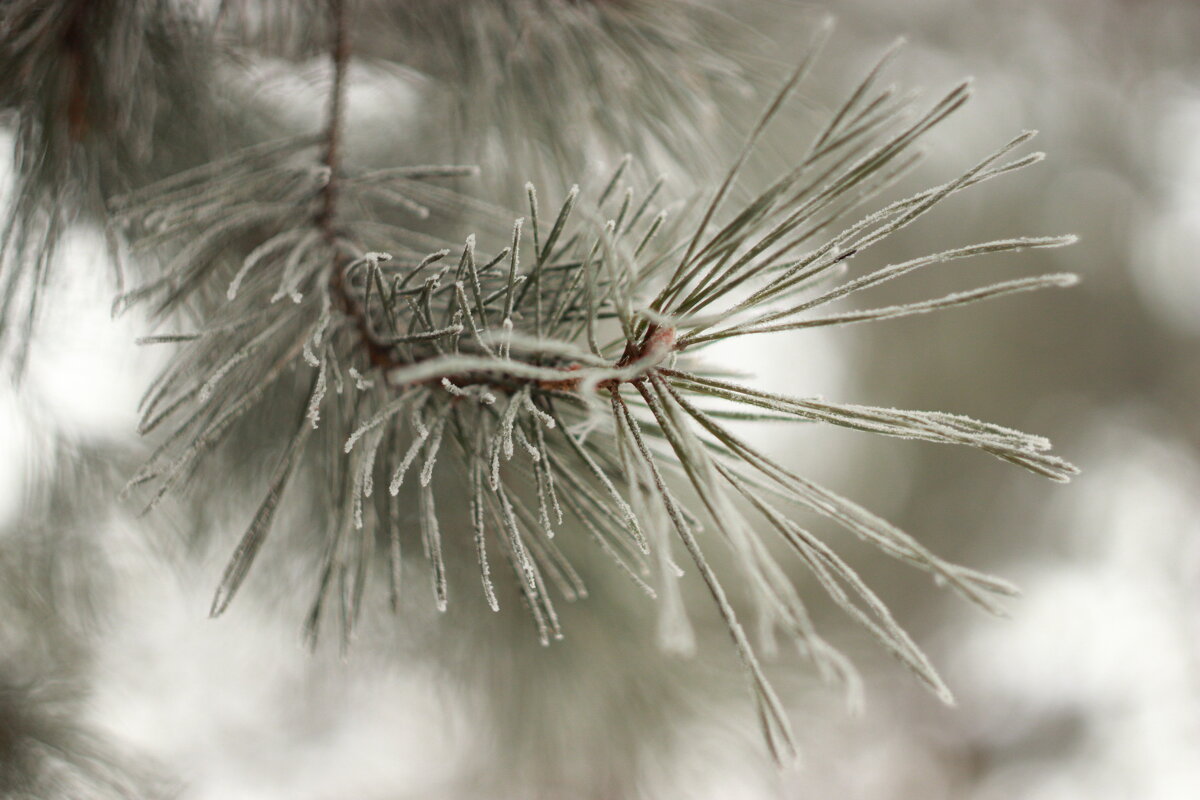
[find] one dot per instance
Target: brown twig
(340, 53)
(378, 353)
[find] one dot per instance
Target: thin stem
(332, 160)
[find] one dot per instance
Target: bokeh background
(1090, 689)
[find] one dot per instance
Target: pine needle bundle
(549, 370)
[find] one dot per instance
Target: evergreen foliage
(549, 372)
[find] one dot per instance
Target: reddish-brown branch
(340, 53)
(74, 45)
(655, 346)
(379, 354)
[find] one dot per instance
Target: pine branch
(549, 368)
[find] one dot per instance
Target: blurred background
(1091, 688)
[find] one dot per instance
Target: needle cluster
(556, 374)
